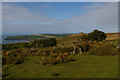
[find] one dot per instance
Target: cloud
(14, 12)
(103, 18)
(98, 16)
(60, 0)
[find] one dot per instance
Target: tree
(84, 41)
(97, 35)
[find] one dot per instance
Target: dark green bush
(97, 35)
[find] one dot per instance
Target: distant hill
(65, 39)
(37, 36)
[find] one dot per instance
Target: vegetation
(35, 44)
(104, 49)
(57, 58)
(10, 58)
(47, 58)
(87, 41)
(96, 35)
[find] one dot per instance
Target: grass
(83, 67)
(67, 41)
(111, 36)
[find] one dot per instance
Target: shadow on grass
(5, 75)
(55, 74)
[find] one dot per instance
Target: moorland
(82, 55)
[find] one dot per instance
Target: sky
(60, 0)
(21, 18)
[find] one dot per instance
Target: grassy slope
(68, 41)
(83, 67)
(111, 36)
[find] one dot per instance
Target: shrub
(85, 46)
(47, 52)
(103, 49)
(39, 53)
(85, 42)
(61, 58)
(11, 59)
(48, 60)
(97, 35)
(63, 50)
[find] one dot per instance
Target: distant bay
(25, 38)
(9, 41)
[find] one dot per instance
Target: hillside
(111, 36)
(68, 41)
(35, 61)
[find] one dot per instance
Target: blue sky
(57, 10)
(58, 17)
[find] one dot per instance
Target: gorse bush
(63, 50)
(10, 58)
(57, 58)
(85, 44)
(16, 56)
(48, 51)
(103, 49)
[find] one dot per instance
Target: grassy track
(83, 67)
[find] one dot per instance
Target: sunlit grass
(83, 67)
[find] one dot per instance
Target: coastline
(3, 41)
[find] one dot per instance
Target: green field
(83, 67)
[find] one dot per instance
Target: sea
(3, 41)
